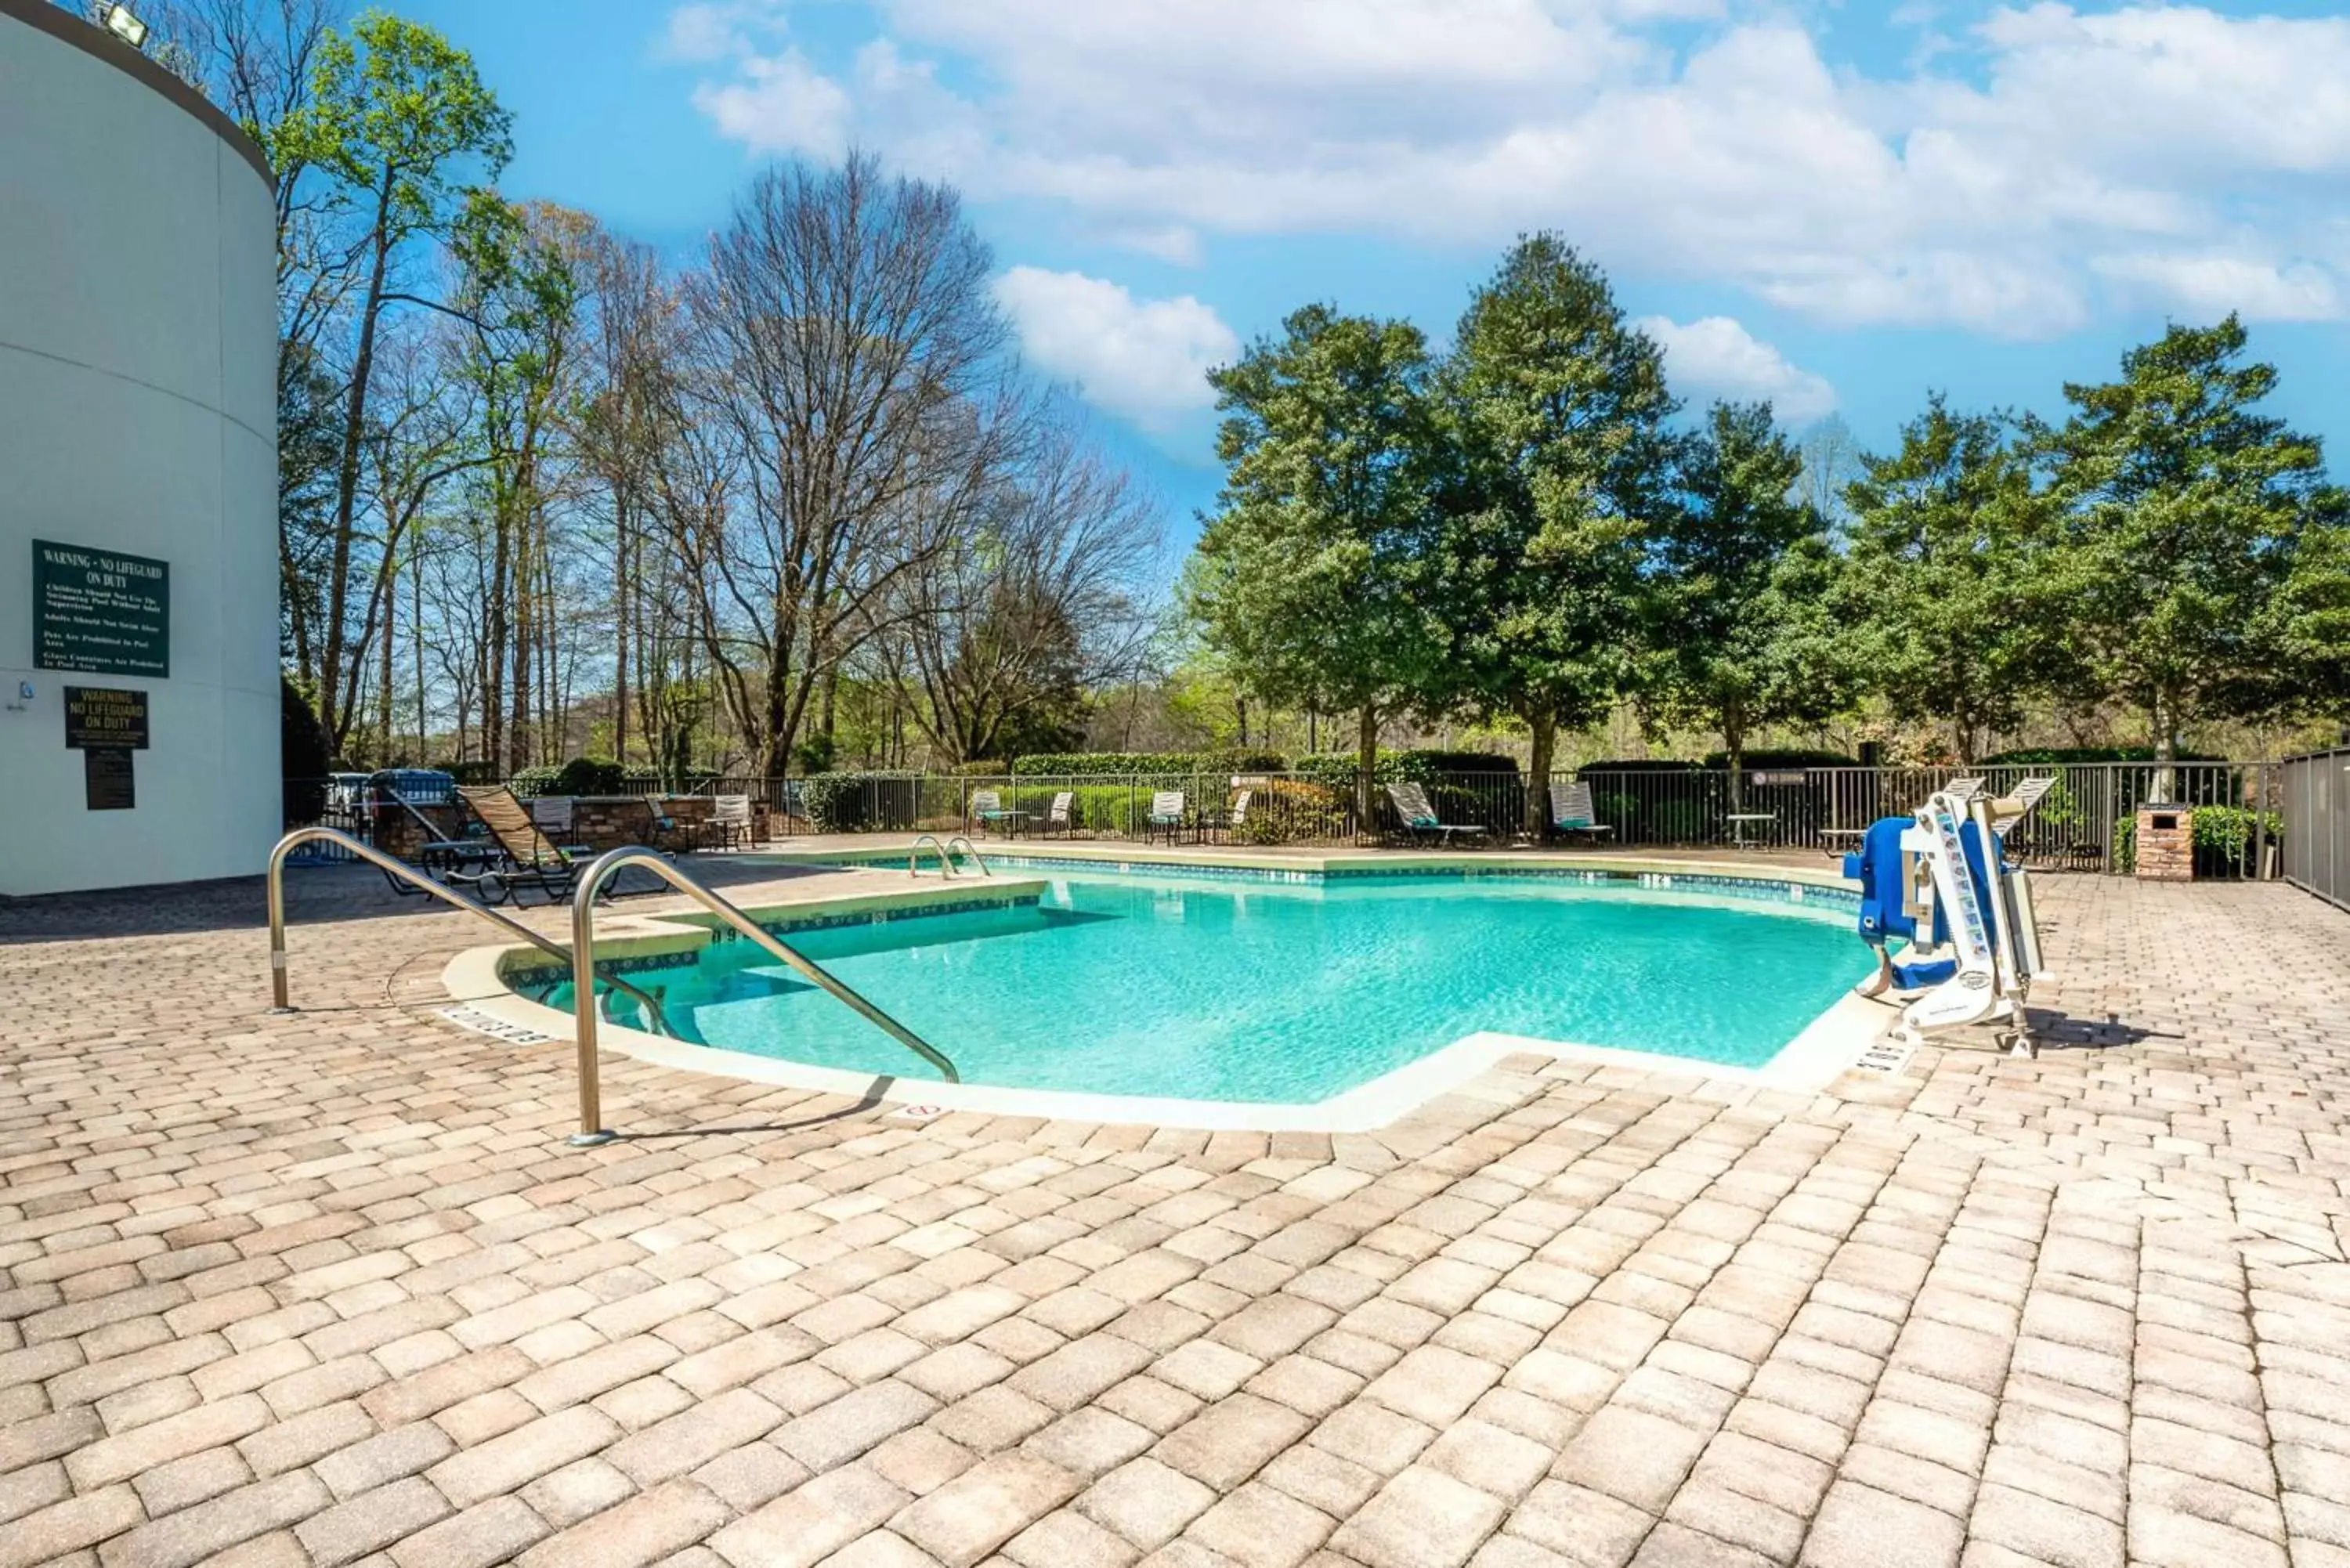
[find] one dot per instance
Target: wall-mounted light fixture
(125, 25)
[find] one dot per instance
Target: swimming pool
(1225, 989)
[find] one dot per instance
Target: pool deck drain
(326, 1288)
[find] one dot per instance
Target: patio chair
(652, 828)
(729, 821)
(1057, 815)
(987, 809)
(528, 858)
(1571, 812)
(1166, 815)
(553, 815)
(436, 851)
(1419, 819)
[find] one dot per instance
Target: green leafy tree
(2182, 509)
(1942, 596)
(1553, 486)
(1307, 576)
(2307, 625)
(1746, 636)
(397, 117)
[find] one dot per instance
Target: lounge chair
(987, 809)
(528, 858)
(1571, 812)
(440, 855)
(730, 822)
(1166, 815)
(1057, 815)
(1419, 819)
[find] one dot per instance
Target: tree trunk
(620, 639)
(384, 674)
(346, 483)
(1544, 749)
(2164, 721)
(1367, 762)
(1734, 746)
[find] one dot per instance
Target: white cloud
(1144, 359)
(1716, 356)
(1984, 185)
(2215, 284)
(779, 103)
(700, 32)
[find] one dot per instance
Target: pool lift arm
(1942, 880)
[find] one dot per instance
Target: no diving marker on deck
(918, 1113)
(481, 1022)
(1888, 1056)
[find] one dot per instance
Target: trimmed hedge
(2058, 755)
(1784, 757)
(1111, 764)
(1427, 766)
(1279, 812)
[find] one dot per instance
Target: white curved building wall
(138, 414)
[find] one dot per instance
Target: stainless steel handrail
(977, 858)
(914, 856)
(583, 961)
(396, 866)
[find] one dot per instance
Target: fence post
(2260, 822)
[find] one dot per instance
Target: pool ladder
(392, 866)
(946, 854)
(581, 958)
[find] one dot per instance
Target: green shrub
(1146, 765)
(529, 782)
(591, 776)
(2224, 835)
(306, 755)
(1286, 811)
(862, 803)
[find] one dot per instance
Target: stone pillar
(2165, 843)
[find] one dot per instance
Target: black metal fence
(2316, 808)
(2085, 821)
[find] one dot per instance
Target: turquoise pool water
(1221, 989)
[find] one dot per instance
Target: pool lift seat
(1939, 882)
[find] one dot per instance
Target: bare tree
(858, 359)
(1011, 620)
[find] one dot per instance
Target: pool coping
(478, 980)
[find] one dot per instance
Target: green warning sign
(100, 610)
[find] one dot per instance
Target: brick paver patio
(329, 1289)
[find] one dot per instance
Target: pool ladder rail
(580, 957)
(946, 852)
(392, 866)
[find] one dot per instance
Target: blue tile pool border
(1766, 890)
(773, 925)
(1754, 890)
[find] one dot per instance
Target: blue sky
(1835, 205)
